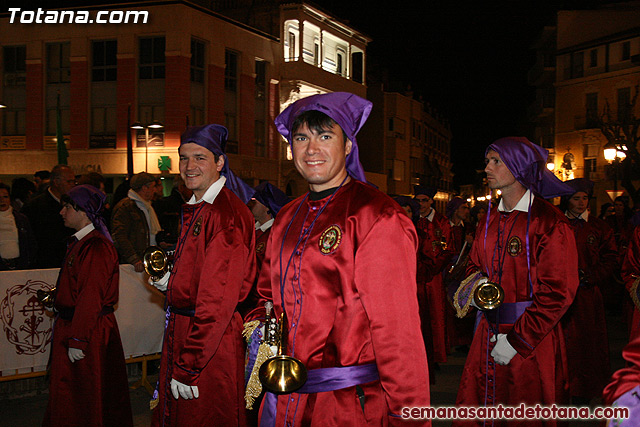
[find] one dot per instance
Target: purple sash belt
(506, 314)
(320, 380)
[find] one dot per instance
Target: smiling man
(201, 370)
(341, 262)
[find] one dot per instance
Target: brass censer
(280, 374)
(488, 296)
(157, 262)
(47, 298)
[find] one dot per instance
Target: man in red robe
(527, 247)
(624, 389)
(341, 263)
(459, 331)
(630, 275)
(88, 383)
(584, 323)
(265, 205)
(434, 254)
(201, 379)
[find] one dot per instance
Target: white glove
(182, 390)
(502, 353)
(75, 354)
(161, 284)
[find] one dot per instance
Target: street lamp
(551, 165)
(138, 126)
(614, 153)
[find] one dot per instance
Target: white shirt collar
(211, 193)
(522, 205)
(584, 215)
(84, 231)
(264, 227)
(455, 225)
(431, 215)
(53, 195)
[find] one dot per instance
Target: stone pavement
(26, 409)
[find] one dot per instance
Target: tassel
(254, 386)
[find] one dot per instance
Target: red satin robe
(459, 331)
(262, 237)
(350, 297)
(626, 378)
(538, 372)
(584, 324)
(433, 256)
(214, 270)
(630, 271)
(92, 391)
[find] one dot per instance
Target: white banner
(27, 327)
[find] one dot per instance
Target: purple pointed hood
(348, 110)
(528, 164)
(214, 138)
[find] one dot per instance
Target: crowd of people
(375, 291)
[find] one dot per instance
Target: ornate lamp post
(614, 153)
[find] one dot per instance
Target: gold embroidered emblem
(72, 258)
(260, 247)
(330, 239)
(197, 226)
(514, 247)
(591, 239)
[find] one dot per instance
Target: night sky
(468, 59)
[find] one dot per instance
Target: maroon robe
(537, 373)
(459, 331)
(92, 391)
(350, 298)
(584, 323)
(262, 237)
(214, 270)
(433, 257)
(630, 271)
(626, 378)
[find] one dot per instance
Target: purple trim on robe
(321, 380)
(631, 400)
(507, 314)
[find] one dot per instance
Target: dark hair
(92, 178)
(21, 187)
(68, 200)
(627, 212)
(44, 174)
(317, 121)
(5, 186)
(603, 209)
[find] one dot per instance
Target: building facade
(597, 69)
(178, 64)
(409, 143)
